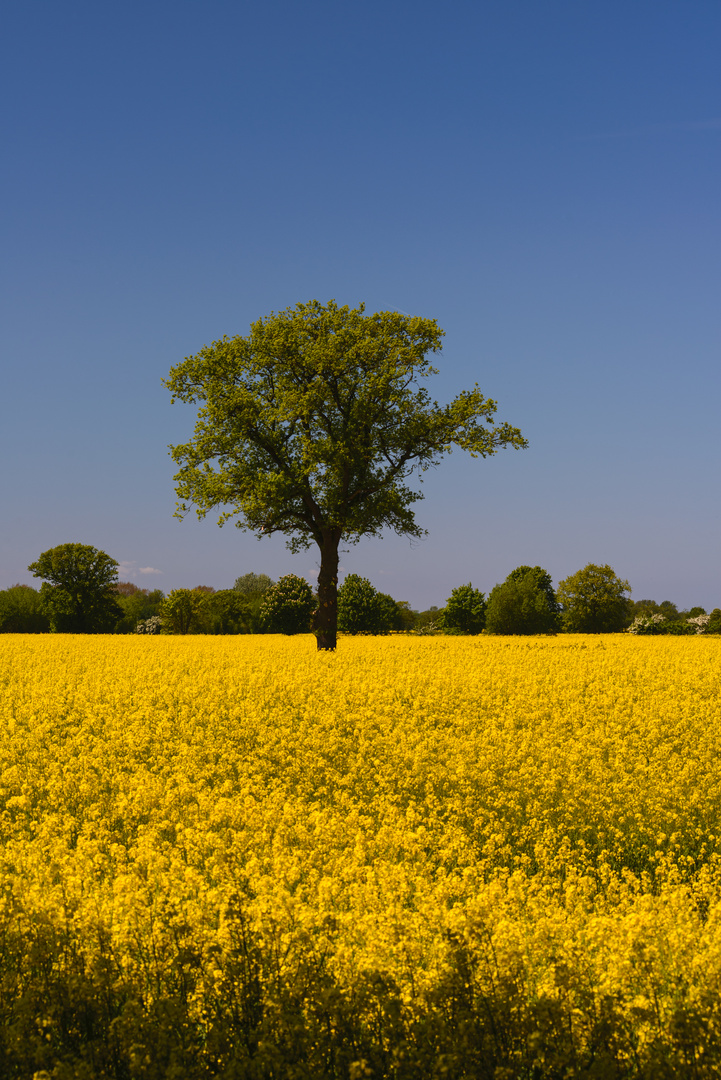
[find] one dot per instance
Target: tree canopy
(312, 425)
(594, 600)
(78, 592)
(253, 586)
(362, 609)
(21, 611)
(181, 610)
(524, 604)
(287, 608)
(542, 580)
(465, 610)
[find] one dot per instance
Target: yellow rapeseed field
(452, 857)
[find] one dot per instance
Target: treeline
(594, 600)
(81, 594)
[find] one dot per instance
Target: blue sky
(541, 178)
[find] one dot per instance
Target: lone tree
(78, 592)
(312, 424)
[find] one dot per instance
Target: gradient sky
(542, 178)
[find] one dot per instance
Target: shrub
(646, 625)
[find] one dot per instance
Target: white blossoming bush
(659, 624)
(153, 625)
(647, 624)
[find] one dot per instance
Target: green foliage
(21, 611)
(363, 610)
(287, 608)
(543, 581)
(253, 586)
(651, 619)
(666, 609)
(714, 623)
(78, 591)
(594, 601)
(181, 611)
(226, 612)
(312, 424)
(465, 610)
(524, 604)
(429, 621)
(188, 611)
(404, 618)
(138, 605)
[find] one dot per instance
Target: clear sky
(542, 178)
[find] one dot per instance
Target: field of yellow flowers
(417, 857)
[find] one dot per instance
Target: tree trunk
(325, 623)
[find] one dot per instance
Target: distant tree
(226, 612)
(313, 424)
(253, 586)
(594, 601)
(392, 613)
(181, 611)
(21, 611)
(714, 624)
(524, 603)
(428, 620)
(138, 605)
(642, 609)
(362, 609)
(694, 612)
(288, 607)
(405, 617)
(543, 581)
(78, 591)
(128, 588)
(465, 610)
